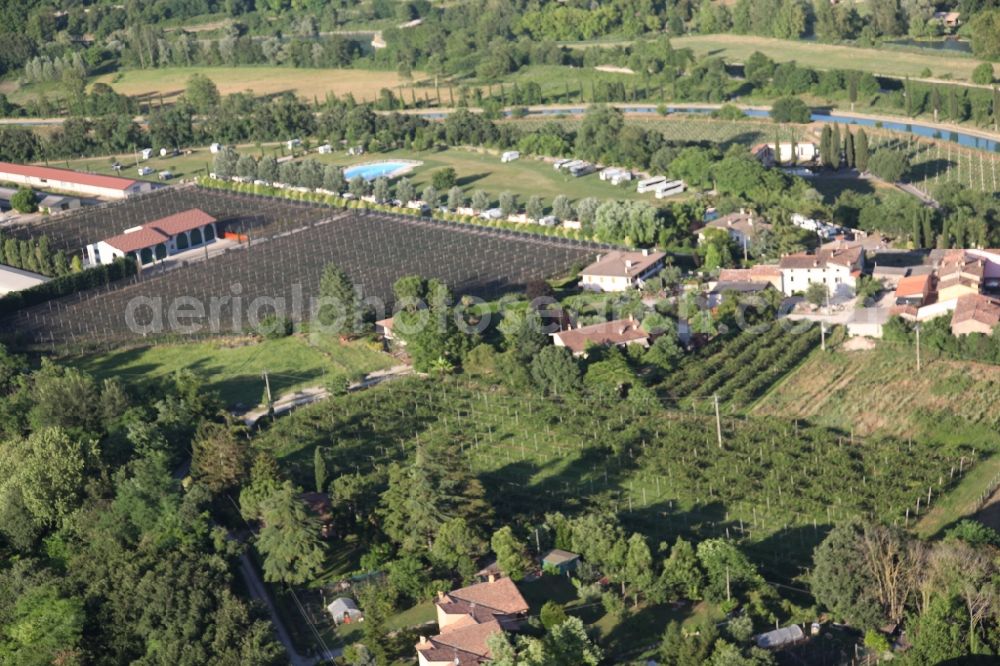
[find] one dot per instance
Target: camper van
(650, 184)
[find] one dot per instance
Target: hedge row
(66, 285)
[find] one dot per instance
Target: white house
(621, 271)
(839, 270)
(325, 149)
(155, 241)
(73, 182)
(15, 279)
(743, 227)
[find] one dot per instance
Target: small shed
(147, 153)
(562, 561)
(344, 610)
(780, 638)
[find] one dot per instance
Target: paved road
(311, 394)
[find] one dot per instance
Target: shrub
(273, 327)
(790, 110)
(23, 200)
(983, 74)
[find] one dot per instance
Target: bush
(889, 165)
(983, 74)
(273, 327)
(67, 284)
(790, 110)
(23, 200)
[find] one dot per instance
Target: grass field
(233, 368)
(484, 171)
(168, 82)
(880, 391)
(737, 48)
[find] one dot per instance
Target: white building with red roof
(75, 182)
(157, 240)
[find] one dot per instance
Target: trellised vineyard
(284, 261)
(661, 470)
(741, 369)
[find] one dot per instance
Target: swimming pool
(378, 169)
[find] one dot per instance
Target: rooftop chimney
(492, 578)
(440, 595)
(645, 251)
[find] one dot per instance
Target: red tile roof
(142, 237)
(913, 285)
(159, 231)
(66, 175)
(183, 221)
(500, 595)
(617, 332)
(976, 307)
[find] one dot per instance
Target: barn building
(155, 241)
(73, 182)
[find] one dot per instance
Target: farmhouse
(743, 227)
(742, 289)
(975, 313)
(74, 182)
(56, 203)
(949, 20)
(621, 271)
(467, 618)
(768, 273)
(618, 332)
(837, 269)
(156, 240)
(914, 290)
(14, 279)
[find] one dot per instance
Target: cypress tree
(915, 231)
(928, 216)
(835, 147)
(861, 151)
(825, 153)
(849, 149)
(319, 469)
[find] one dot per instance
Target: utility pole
(267, 390)
(822, 336)
(918, 347)
(718, 420)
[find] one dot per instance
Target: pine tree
(338, 307)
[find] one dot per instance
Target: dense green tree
(512, 554)
(44, 628)
(219, 459)
(790, 110)
(444, 179)
(841, 581)
(555, 371)
(289, 538)
(24, 200)
(201, 93)
(340, 310)
(861, 155)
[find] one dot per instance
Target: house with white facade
(155, 241)
(839, 270)
(73, 182)
(743, 226)
(619, 270)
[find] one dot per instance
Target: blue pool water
(373, 171)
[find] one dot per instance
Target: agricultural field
(741, 369)
(232, 367)
(280, 273)
(251, 216)
(169, 82)
(890, 62)
(936, 162)
(772, 485)
(879, 390)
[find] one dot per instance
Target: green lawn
(737, 48)
(233, 368)
(484, 171)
